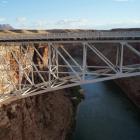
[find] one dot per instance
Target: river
(106, 114)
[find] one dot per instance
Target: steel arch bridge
(24, 71)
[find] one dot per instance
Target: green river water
(106, 114)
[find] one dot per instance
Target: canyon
(51, 116)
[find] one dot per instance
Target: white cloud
(72, 23)
(22, 22)
(21, 19)
(126, 23)
(95, 24)
(41, 23)
(64, 23)
(92, 24)
(2, 19)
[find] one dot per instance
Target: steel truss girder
(63, 69)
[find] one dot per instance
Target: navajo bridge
(22, 74)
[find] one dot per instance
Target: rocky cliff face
(43, 117)
(131, 86)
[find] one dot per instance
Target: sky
(70, 14)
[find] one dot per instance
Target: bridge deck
(28, 70)
(44, 35)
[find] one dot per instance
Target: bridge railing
(74, 35)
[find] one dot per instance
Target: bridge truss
(26, 72)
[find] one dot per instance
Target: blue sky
(88, 14)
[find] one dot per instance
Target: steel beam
(59, 78)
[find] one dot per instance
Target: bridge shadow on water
(106, 114)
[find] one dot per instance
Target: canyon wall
(49, 116)
(43, 117)
(131, 85)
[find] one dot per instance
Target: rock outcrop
(5, 27)
(43, 117)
